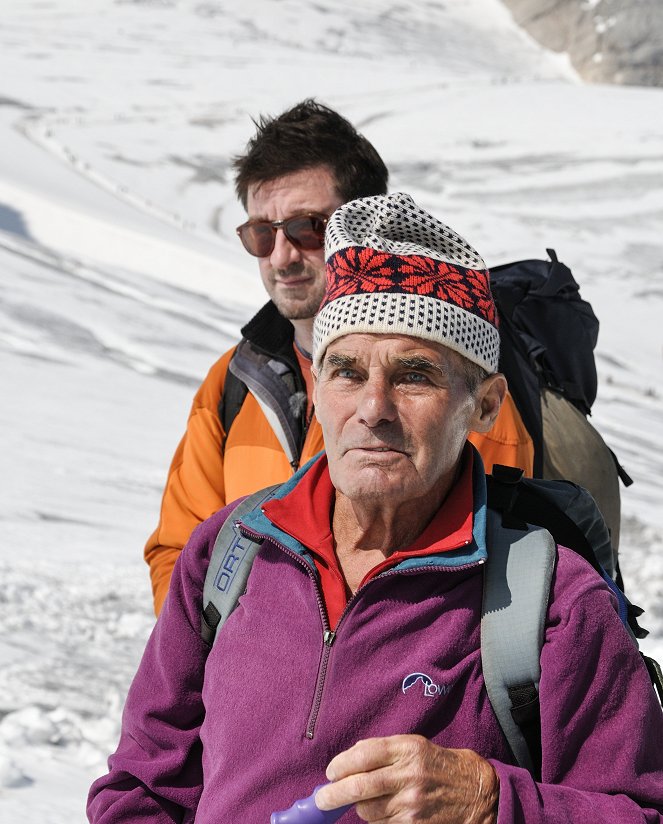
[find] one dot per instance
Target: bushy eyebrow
(340, 361)
(337, 360)
(422, 364)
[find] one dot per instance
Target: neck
(303, 333)
(375, 526)
(365, 536)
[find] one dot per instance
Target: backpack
(547, 336)
(527, 518)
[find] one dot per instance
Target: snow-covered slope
(122, 281)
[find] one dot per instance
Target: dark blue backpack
(548, 333)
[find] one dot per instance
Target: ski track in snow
(103, 338)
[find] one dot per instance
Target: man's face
(294, 279)
(395, 412)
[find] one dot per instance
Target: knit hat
(394, 269)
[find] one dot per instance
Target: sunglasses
(305, 232)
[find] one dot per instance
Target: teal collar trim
(257, 521)
(473, 553)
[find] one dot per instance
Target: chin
(375, 488)
(297, 310)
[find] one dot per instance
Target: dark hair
(306, 136)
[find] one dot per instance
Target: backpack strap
(231, 401)
(655, 674)
(229, 567)
(517, 579)
(279, 389)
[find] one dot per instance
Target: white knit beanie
(392, 268)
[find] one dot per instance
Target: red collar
(305, 513)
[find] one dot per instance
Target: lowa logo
(421, 681)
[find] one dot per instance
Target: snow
(122, 281)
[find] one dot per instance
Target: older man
(298, 168)
(367, 590)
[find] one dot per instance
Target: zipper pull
(328, 637)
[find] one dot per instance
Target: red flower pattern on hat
(363, 270)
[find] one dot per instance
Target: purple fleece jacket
(232, 734)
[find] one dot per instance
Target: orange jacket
(204, 476)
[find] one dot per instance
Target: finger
(369, 754)
(360, 787)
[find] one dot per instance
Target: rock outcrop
(608, 41)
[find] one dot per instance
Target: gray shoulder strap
(229, 567)
(517, 581)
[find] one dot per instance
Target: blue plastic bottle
(304, 811)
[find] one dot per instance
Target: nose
(376, 403)
(284, 254)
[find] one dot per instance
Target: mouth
(377, 450)
(291, 283)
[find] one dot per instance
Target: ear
(489, 398)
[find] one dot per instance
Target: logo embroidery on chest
(430, 688)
